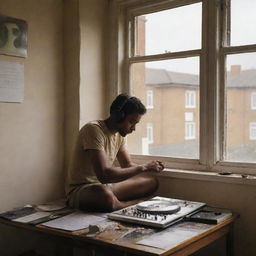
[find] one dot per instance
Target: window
(253, 100)
(189, 116)
(190, 133)
(172, 78)
(190, 99)
(238, 61)
(203, 80)
(150, 99)
(253, 131)
(150, 133)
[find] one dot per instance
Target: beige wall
(85, 38)
(71, 52)
(31, 133)
(94, 38)
(67, 36)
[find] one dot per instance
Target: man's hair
(125, 105)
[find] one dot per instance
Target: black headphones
(118, 113)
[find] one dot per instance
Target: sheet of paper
(32, 217)
(11, 81)
(74, 221)
(166, 240)
(18, 212)
(52, 206)
(174, 235)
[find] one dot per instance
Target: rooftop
(165, 78)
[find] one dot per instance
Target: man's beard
(122, 133)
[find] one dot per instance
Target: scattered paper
(52, 206)
(32, 217)
(18, 212)
(173, 236)
(74, 221)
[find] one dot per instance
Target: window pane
(149, 103)
(243, 22)
(240, 91)
(171, 30)
(163, 131)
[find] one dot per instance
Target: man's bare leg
(139, 186)
(100, 198)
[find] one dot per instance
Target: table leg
(62, 249)
(230, 242)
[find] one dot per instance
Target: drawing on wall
(13, 36)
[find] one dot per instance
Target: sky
(167, 31)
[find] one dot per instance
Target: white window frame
(150, 99)
(252, 130)
(150, 133)
(190, 99)
(189, 116)
(190, 131)
(212, 90)
(253, 100)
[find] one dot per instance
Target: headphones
(118, 113)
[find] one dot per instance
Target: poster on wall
(11, 81)
(13, 36)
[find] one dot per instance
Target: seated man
(93, 183)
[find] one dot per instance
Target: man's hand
(153, 166)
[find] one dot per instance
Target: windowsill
(209, 176)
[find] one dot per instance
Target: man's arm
(124, 159)
(111, 174)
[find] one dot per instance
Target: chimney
(235, 70)
(141, 37)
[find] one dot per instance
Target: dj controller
(157, 212)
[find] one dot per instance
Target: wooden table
(116, 247)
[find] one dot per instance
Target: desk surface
(184, 237)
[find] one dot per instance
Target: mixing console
(157, 212)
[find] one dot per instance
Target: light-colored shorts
(74, 195)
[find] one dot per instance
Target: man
(93, 183)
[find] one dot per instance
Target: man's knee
(153, 183)
(150, 182)
(106, 197)
(98, 198)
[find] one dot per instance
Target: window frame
(224, 50)
(150, 99)
(189, 115)
(150, 133)
(253, 100)
(252, 126)
(190, 99)
(190, 130)
(212, 91)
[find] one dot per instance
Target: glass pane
(166, 129)
(241, 111)
(243, 22)
(171, 30)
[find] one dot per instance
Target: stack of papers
(54, 215)
(74, 221)
(31, 215)
(18, 213)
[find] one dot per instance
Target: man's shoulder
(92, 125)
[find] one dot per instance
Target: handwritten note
(11, 81)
